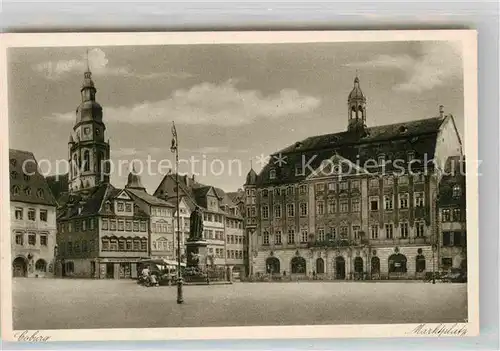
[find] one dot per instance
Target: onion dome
(356, 93)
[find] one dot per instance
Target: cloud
(438, 63)
(212, 104)
(99, 64)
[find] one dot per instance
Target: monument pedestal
(196, 253)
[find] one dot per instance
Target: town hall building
(358, 204)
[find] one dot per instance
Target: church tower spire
(89, 151)
(356, 103)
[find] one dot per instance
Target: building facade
(33, 218)
(453, 217)
(222, 222)
(358, 204)
(161, 216)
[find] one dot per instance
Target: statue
(196, 225)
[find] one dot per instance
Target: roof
(31, 187)
(251, 177)
(58, 184)
(152, 200)
(192, 191)
(393, 141)
(92, 203)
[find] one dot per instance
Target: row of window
(233, 223)
(163, 245)
(79, 225)
(449, 215)
(161, 212)
(404, 201)
(343, 233)
(210, 217)
(123, 206)
(32, 239)
(77, 247)
(31, 212)
(217, 253)
(26, 177)
(122, 244)
(235, 239)
(213, 234)
(235, 254)
(124, 225)
(343, 206)
(161, 228)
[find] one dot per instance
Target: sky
(232, 104)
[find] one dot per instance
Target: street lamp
(175, 149)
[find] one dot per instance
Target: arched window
(420, 263)
(320, 266)
(397, 263)
(375, 265)
(39, 193)
(298, 265)
(353, 112)
(41, 266)
(86, 160)
(272, 265)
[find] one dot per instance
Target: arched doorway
(358, 268)
(41, 267)
(19, 268)
(339, 268)
(375, 267)
(298, 265)
(320, 266)
(272, 265)
(397, 265)
(420, 263)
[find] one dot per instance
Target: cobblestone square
(75, 304)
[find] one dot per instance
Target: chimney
(441, 110)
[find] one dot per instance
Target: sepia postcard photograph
(225, 185)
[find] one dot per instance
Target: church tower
(88, 150)
(356, 103)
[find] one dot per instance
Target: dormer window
(27, 191)
(15, 190)
(39, 193)
(108, 206)
(457, 191)
(26, 177)
(13, 162)
(13, 174)
(272, 174)
(403, 129)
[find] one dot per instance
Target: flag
(173, 148)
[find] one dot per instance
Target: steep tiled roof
(152, 200)
(93, 203)
(393, 141)
(58, 184)
(31, 187)
(192, 191)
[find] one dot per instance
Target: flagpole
(175, 148)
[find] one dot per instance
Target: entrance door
(339, 268)
(19, 268)
(110, 270)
